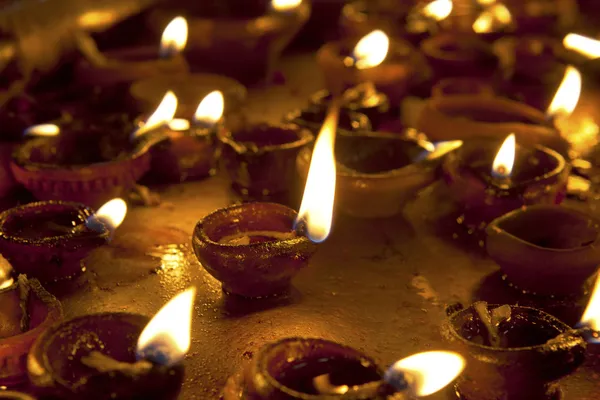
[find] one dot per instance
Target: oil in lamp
(485, 185)
(255, 249)
(115, 355)
(47, 240)
(254, 41)
(131, 64)
(299, 368)
(26, 310)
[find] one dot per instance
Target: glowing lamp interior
(210, 109)
(438, 9)
(428, 372)
(166, 338)
(505, 159)
(583, 45)
(567, 96)
(174, 37)
(285, 5)
(316, 210)
(163, 114)
(591, 316)
(179, 124)
(371, 50)
(42, 130)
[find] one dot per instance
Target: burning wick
(174, 38)
(42, 130)
(210, 110)
(109, 216)
(421, 374)
(164, 341)
(505, 159)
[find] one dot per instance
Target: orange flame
(371, 50)
(505, 159)
(567, 96)
(584, 45)
(174, 37)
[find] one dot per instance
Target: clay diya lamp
(465, 117)
(48, 239)
(313, 116)
(115, 355)
(260, 160)
(255, 42)
(488, 180)
(546, 249)
(303, 368)
(89, 162)
(510, 351)
(252, 248)
(403, 69)
(27, 310)
(123, 66)
(462, 86)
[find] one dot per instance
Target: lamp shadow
(235, 306)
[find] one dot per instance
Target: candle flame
(426, 372)
(371, 50)
(210, 109)
(438, 9)
(179, 124)
(567, 96)
(110, 216)
(505, 159)
(6, 279)
(583, 45)
(497, 13)
(42, 130)
(163, 114)
(285, 5)
(174, 37)
(166, 338)
(316, 210)
(591, 316)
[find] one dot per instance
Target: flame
(496, 13)
(505, 159)
(371, 50)
(584, 45)
(486, 2)
(6, 279)
(110, 216)
(210, 109)
(567, 96)
(162, 115)
(427, 372)
(42, 130)
(591, 316)
(174, 37)
(166, 338)
(179, 124)
(442, 148)
(285, 5)
(316, 210)
(438, 9)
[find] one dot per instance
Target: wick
(24, 290)
(103, 363)
(492, 320)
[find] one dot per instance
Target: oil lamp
(254, 41)
(115, 355)
(300, 368)
(131, 64)
(546, 249)
(48, 240)
(255, 249)
(27, 310)
(482, 181)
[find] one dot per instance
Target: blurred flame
(505, 159)
(174, 37)
(584, 45)
(591, 316)
(438, 9)
(371, 50)
(210, 109)
(427, 372)
(166, 338)
(442, 148)
(567, 96)
(486, 2)
(496, 13)
(484, 22)
(6, 279)
(316, 210)
(163, 114)
(285, 5)
(42, 130)
(179, 124)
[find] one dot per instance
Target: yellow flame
(163, 114)
(6, 279)
(497, 13)
(584, 45)
(484, 22)
(486, 2)
(505, 159)
(430, 371)
(567, 96)
(168, 333)
(442, 148)
(210, 109)
(179, 124)
(174, 37)
(316, 209)
(591, 316)
(112, 213)
(285, 5)
(438, 9)
(371, 50)
(42, 130)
